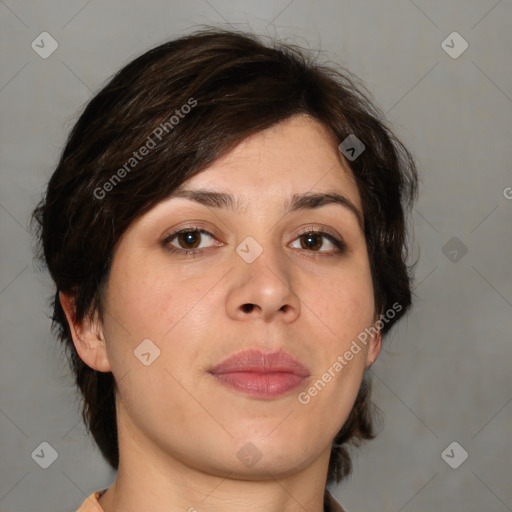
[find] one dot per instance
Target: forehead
(293, 156)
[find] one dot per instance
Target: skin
(179, 429)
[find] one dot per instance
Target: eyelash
(339, 244)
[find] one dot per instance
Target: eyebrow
(306, 201)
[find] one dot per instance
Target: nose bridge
(265, 262)
(270, 268)
(264, 282)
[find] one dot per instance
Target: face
(269, 275)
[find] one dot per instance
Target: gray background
(445, 373)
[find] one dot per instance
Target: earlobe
(374, 349)
(88, 336)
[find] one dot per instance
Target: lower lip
(260, 385)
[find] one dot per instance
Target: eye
(319, 241)
(188, 240)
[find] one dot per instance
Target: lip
(260, 374)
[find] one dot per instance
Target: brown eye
(189, 239)
(319, 241)
(311, 241)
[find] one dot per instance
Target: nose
(262, 289)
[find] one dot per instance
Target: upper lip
(261, 362)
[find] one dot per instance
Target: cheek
(345, 302)
(150, 301)
(173, 310)
(146, 301)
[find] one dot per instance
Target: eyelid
(192, 225)
(170, 237)
(321, 230)
(326, 232)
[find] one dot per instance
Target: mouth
(260, 375)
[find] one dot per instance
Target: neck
(151, 479)
(224, 495)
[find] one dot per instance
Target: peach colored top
(91, 503)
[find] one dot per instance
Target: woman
(227, 235)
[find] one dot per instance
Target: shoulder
(91, 503)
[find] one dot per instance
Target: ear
(88, 336)
(374, 348)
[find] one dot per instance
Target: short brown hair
(237, 86)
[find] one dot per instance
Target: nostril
(247, 308)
